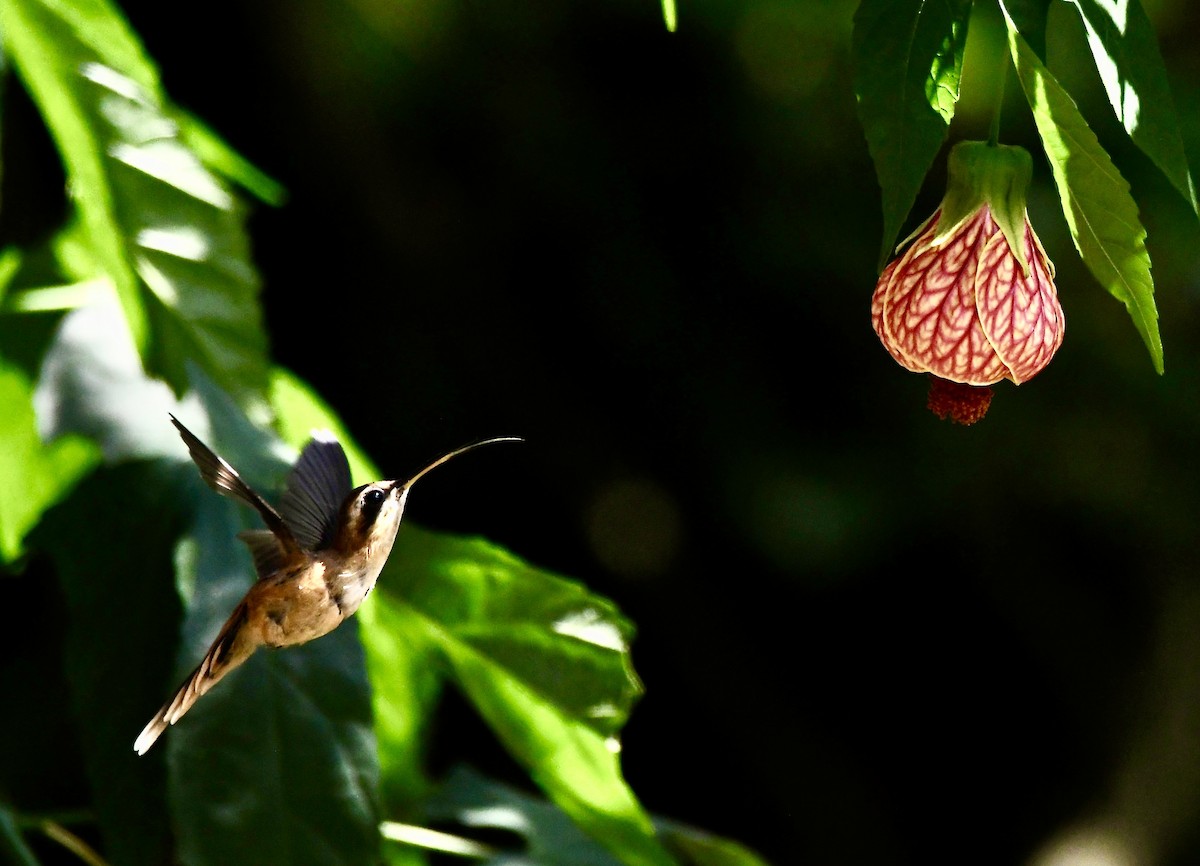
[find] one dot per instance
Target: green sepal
(993, 174)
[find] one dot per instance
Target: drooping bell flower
(972, 301)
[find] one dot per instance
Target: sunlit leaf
(49, 58)
(216, 153)
(670, 15)
(1125, 49)
(114, 566)
(35, 474)
(1100, 211)
(10, 263)
(546, 664)
(406, 685)
(907, 63)
(168, 234)
(564, 644)
(92, 383)
(69, 296)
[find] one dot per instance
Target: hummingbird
(317, 559)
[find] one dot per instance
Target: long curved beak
(445, 457)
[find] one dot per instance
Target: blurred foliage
(865, 637)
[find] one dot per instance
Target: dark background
(867, 636)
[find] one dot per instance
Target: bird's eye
(372, 504)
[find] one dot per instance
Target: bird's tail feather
(232, 647)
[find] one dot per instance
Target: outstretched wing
(315, 490)
(223, 478)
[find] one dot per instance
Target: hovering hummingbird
(319, 556)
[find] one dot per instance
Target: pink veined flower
(972, 300)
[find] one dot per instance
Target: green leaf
(112, 543)
(698, 848)
(1030, 16)
(670, 16)
(10, 263)
(48, 299)
(544, 662)
(907, 64)
(474, 802)
(12, 844)
(1100, 211)
(1131, 67)
(92, 383)
(216, 153)
(49, 52)
(167, 234)
(35, 475)
(551, 635)
(403, 668)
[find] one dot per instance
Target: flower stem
(994, 131)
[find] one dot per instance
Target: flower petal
(878, 302)
(1020, 314)
(929, 320)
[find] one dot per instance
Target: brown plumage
(319, 556)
